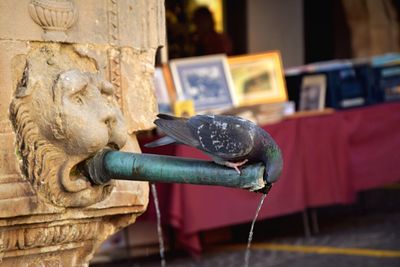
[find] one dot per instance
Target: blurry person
(205, 39)
(374, 27)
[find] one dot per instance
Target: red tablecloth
(327, 160)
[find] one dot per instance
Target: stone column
(75, 77)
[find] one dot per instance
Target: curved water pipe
(109, 164)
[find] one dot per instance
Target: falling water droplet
(159, 229)
(247, 254)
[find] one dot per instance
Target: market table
(327, 159)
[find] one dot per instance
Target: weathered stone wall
(49, 49)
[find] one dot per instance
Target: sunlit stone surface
(76, 76)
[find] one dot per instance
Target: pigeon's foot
(236, 165)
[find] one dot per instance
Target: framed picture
(312, 93)
(162, 90)
(258, 78)
(206, 80)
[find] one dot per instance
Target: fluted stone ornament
(54, 16)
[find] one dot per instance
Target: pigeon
(229, 140)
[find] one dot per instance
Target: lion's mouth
(113, 146)
(78, 178)
(72, 179)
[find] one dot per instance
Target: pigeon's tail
(177, 128)
(167, 117)
(166, 140)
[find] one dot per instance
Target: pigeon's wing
(166, 140)
(227, 137)
(176, 128)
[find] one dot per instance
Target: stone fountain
(76, 77)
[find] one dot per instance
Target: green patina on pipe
(109, 164)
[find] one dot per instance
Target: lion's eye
(78, 99)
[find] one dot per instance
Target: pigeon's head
(274, 164)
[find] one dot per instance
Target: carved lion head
(63, 112)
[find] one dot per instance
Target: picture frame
(313, 92)
(258, 78)
(162, 89)
(206, 80)
(389, 82)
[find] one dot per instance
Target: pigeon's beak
(274, 167)
(274, 174)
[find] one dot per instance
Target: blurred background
(303, 31)
(338, 125)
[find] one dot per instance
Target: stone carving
(49, 235)
(113, 22)
(54, 16)
(48, 262)
(50, 215)
(114, 52)
(62, 115)
(114, 58)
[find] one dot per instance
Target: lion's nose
(116, 131)
(110, 121)
(108, 116)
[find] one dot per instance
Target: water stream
(247, 254)
(159, 229)
(161, 239)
